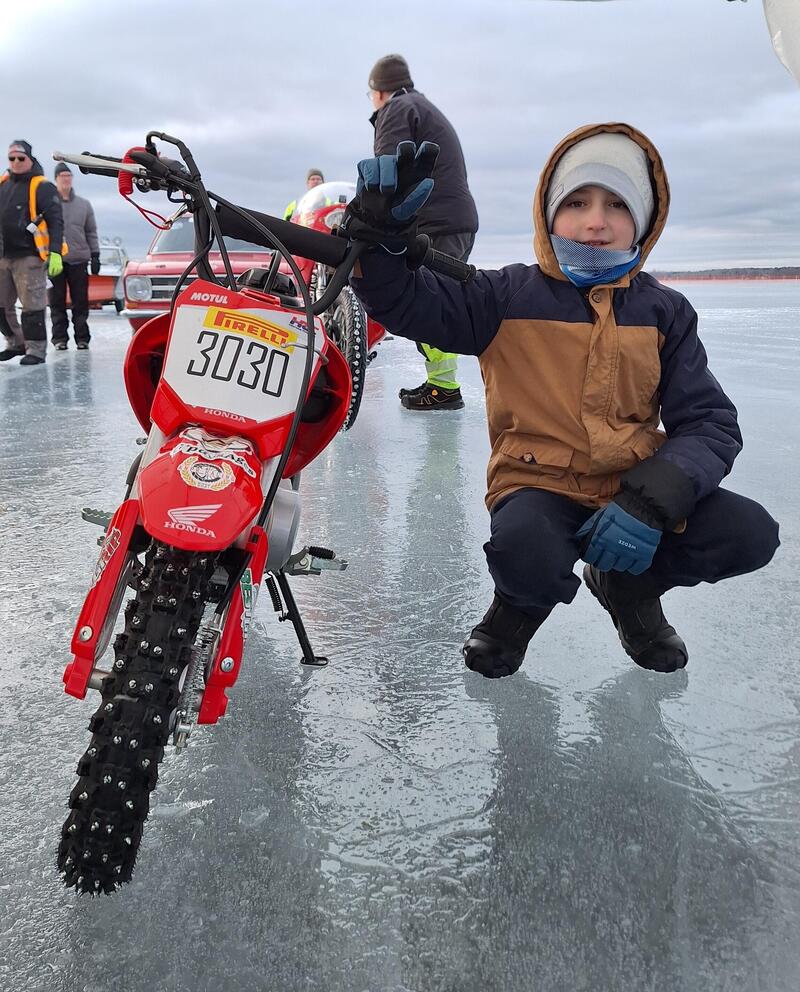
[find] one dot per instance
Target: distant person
(80, 233)
(582, 356)
(32, 222)
(449, 217)
(313, 178)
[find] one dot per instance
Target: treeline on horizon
(775, 272)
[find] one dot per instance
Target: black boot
(642, 627)
(496, 647)
(412, 392)
(430, 397)
(9, 353)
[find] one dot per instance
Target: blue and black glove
(654, 496)
(390, 192)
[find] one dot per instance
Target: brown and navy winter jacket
(576, 380)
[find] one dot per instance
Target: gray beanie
(612, 161)
(62, 167)
(315, 172)
(389, 74)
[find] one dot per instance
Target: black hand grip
(88, 170)
(446, 265)
(299, 240)
(151, 162)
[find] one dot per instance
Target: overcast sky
(261, 91)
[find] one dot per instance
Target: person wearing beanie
(31, 248)
(314, 177)
(449, 217)
(583, 357)
(80, 233)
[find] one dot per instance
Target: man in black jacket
(80, 233)
(449, 217)
(32, 223)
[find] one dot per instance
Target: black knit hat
(389, 74)
(62, 167)
(21, 146)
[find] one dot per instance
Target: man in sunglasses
(31, 222)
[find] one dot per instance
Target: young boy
(582, 355)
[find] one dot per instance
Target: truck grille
(164, 286)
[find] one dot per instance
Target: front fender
(201, 490)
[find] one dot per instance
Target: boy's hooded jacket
(576, 379)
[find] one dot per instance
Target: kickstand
(293, 614)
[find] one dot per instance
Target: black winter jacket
(16, 241)
(410, 116)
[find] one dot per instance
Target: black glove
(391, 190)
(94, 265)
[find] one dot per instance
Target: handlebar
(234, 221)
(332, 250)
(97, 165)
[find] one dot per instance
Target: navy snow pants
(533, 548)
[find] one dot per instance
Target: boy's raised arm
(423, 306)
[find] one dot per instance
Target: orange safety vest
(41, 238)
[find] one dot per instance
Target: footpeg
(312, 561)
(100, 517)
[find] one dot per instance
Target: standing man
(449, 217)
(32, 222)
(313, 178)
(80, 233)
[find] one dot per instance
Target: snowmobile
(238, 388)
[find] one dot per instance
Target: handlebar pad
(299, 240)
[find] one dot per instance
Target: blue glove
(402, 180)
(391, 189)
(619, 541)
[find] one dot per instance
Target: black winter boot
(430, 397)
(496, 647)
(642, 627)
(412, 392)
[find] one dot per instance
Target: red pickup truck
(149, 283)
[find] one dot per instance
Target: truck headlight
(138, 288)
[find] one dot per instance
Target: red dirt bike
(238, 389)
(346, 322)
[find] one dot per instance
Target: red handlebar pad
(125, 179)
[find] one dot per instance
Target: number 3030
(223, 354)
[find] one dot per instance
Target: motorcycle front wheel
(119, 770)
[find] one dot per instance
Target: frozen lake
(395, 822)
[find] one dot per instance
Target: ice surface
(394, 822)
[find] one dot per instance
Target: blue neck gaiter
(585, 265)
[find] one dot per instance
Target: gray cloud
(260, 92)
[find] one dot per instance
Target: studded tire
(111, 800)
(346, 324)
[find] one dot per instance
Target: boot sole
(438, 406)
(641, 658)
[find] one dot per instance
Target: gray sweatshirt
(80, 229)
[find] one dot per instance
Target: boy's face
(594, 216)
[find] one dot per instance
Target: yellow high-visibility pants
(440, 366)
